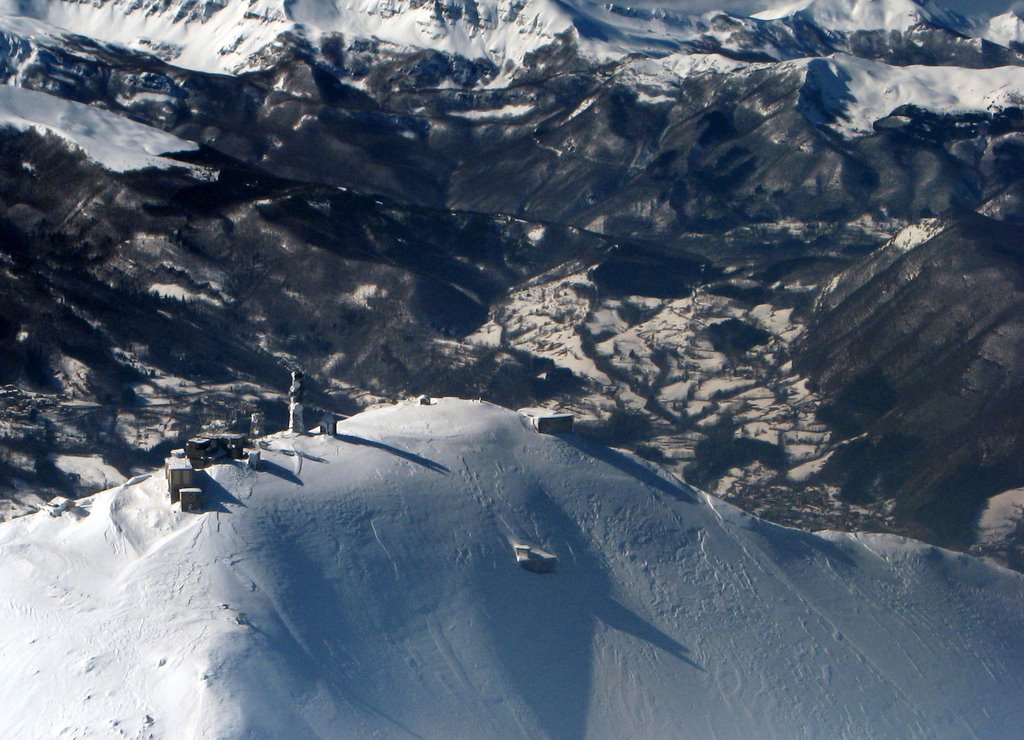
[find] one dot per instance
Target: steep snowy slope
(115, 142)
(366, 585)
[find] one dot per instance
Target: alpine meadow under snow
(365, 585)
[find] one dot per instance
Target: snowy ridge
(864, 15)
(366, 584)
(856, 92)
(229, 36)
(916, 234)
(115, 142)
(996, 20)
(1006, 29)
(859, 92)
(195, 34)
(232, 36)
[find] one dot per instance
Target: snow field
(366, 585)
(91, 470)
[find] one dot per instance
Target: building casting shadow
(216, 497)
(410, 456)
(272, 468)
(618, 617)
(545, 627)
(630, 467)
(318, 644)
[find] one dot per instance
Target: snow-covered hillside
(115, 142)
(365, 585)
(859, 92)
(921, 54)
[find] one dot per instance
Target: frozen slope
(366, 586)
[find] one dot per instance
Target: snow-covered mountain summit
(998, 21)
(233, 36)
(366, 584)
(865, 15)
(240, 35)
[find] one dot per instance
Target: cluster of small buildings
(199, 453)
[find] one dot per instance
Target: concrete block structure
(180, 474)
(191, 499)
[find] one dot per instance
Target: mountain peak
(215, 36)
(367, 584)
(228, 36)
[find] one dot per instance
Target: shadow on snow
(410, 456)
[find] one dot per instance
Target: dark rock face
(652, 254)
(921, 354)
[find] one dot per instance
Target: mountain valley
(777, 253)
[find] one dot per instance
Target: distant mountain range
(776, 249)
(238, 37)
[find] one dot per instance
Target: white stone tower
(295, 421)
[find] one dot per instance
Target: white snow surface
(92, 470)
(991, 19)
(872, 90)
(1005, 29)
(1002, 515)
(916, 234)
(508, 111)
(231, 36)
(115, 142)
(853, 15)
(366, 585)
